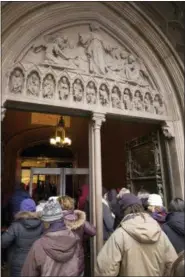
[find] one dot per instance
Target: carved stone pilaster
(3, 113)
(168, 129)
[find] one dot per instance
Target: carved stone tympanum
(85, 65)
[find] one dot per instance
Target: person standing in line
(75, 220)
(143, 195)
(138, 247)
(20, 236)
(175, 225)
(108, 217)
(19, 195)
(117, 211)
(57, 252)
(156, 208)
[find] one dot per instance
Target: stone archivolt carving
(78, 90)
(48, 86)
(63, 88)
(33, 84)
(16, 81)
(86, 66)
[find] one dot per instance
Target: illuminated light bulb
(52, 141)
(58, 139)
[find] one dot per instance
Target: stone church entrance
(104, 67)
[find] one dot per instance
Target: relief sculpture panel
(86, 66)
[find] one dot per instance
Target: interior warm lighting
(60, 140)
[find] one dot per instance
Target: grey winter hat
(52, 211)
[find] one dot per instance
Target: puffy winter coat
(137, 248)
(76, 222)
(19, 238)
(175, 230)
(56, 253)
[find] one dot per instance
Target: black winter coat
(174, 229)
(19, 237)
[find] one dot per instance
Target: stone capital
(98, 119)
(168, 129)
(3, 113)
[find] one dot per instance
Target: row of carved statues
(89, 93)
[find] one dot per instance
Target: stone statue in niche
(127, 99)
(58, 51)
(16, 81)
(78, 90)
(138, 101)
(91, 93)
(158, 104)
(48, 86)
(95, 49)
(33, 84)
(63, 88)
(148, 103)
(136, 72)
(116, 97)
(104, 95)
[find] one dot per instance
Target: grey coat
(19, 237)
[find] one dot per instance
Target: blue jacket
(17, 198)
(175, 230)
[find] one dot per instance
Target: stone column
(98, 119)
(174, 150)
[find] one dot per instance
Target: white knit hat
(155, 200)
(52, 211)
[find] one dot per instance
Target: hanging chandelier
(60, 139)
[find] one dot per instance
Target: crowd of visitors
(52, 238)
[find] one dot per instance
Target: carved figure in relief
(138, 103)
(135, 71)
(127, 99)
(95, 49)
(148, 103)
(64, 88)
(117, 62)
(159, 107)
(91, 93)
(16, 81)
(58, 51)
(104, 95)
(116, 97)
(78, 90)
(48, 86)
(33, 84)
